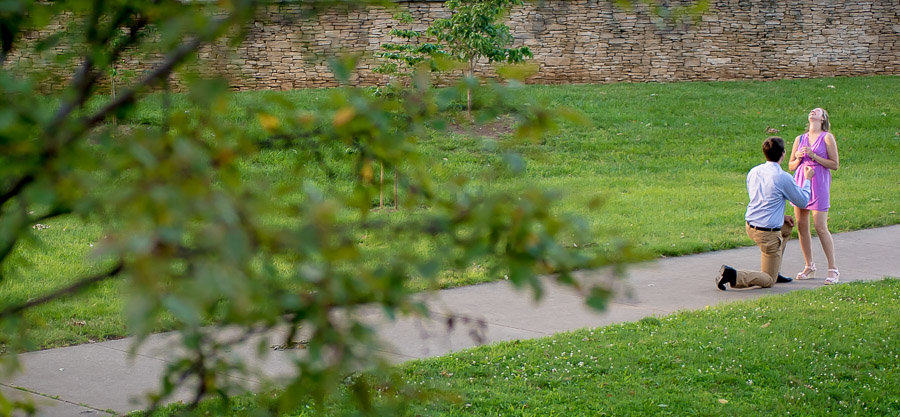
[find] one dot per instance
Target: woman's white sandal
(809, 272)
(833, 279)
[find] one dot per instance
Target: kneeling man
(768, 186)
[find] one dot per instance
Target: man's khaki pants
(772, 245)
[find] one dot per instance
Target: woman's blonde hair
(826, 125)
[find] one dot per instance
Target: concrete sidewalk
(102, 379)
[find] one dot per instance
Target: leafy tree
(190, 237)
(474, 31)
(403, 59)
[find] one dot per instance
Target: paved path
(102, 379)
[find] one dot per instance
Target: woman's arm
(794, 162)
(831, 146)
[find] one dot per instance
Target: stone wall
(588, 41)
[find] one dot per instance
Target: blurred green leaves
(474, 31)
(198, 245)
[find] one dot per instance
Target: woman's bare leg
(801, 217)
(820, 220)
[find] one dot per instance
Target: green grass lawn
(829, 351)
(670, 160)
(824, 352)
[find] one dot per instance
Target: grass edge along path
(829, 351)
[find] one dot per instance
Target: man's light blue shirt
(768, 186)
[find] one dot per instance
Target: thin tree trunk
(381, 188)
(167, 103)
(469, 102)
(112, 91)
(469, 89)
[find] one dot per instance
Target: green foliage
(193, 243)
(472, 32)
(402, 61)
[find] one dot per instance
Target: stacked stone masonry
(583, 41)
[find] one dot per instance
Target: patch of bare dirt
(501, 126)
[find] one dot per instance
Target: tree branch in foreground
(83, 80)
(71, 289)
(16, 188)
(7, 247)
(86, 78)
(164, 69)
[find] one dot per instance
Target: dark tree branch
(134, 32)
(56, 211)
(199, 368)
(163, 70)
(87, 75)
(8, 34)
(69, 290)
(16, 188)
(196, 366)
(96, 12)
(18, 225)
(8, 246)
(81, 85)
(158, 400)
(84, 80)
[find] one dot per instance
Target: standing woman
(816, 148)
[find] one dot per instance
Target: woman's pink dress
(821, 181)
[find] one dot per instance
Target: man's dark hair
(773, 147)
